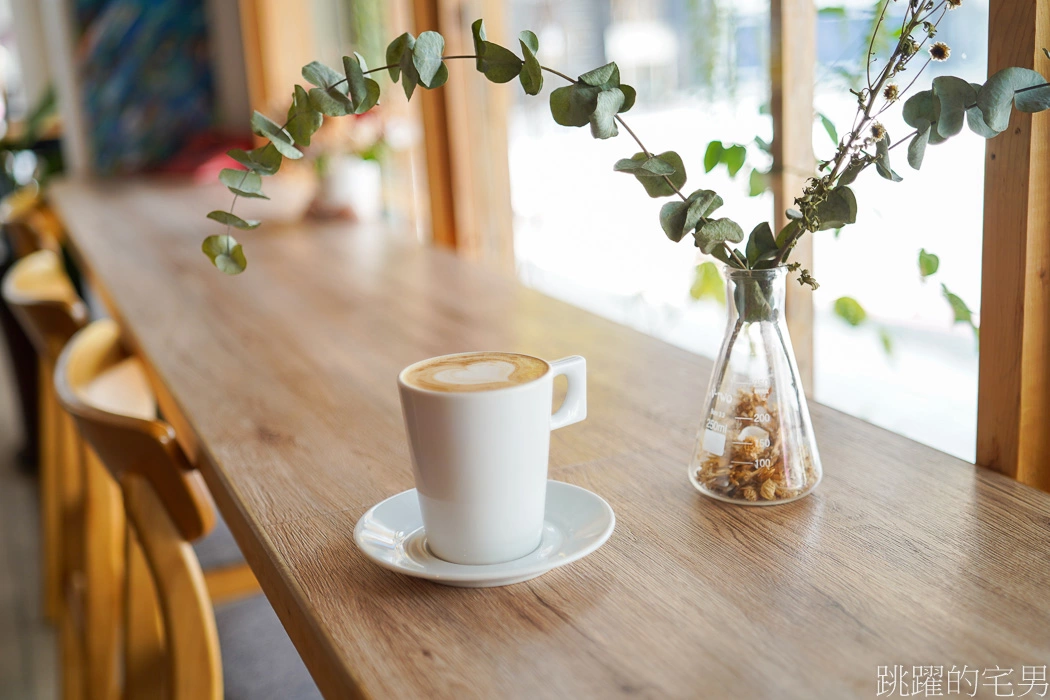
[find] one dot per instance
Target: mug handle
(574, 408)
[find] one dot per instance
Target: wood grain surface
(282, 383)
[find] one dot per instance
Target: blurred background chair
(175, 643)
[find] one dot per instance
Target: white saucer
(576, 523)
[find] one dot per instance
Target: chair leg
(71, 642)
(50, 512)
(145, 665)
(103, 577)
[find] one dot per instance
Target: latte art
(476, 371)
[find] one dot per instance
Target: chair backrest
(42, 297)
(166, 505)
(28, 222)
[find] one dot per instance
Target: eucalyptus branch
(598, 99)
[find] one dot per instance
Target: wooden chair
(42, 299)
(175, 644)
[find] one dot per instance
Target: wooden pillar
(793, 33)
(1013, 406)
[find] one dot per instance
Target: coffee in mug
(479, 428)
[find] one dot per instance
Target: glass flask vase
(756, 444)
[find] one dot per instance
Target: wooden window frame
(1014, 381)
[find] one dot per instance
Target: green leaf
(477, 31)
(761, 246)
(603, 118)
(225, 253)
(280, 138)
(321, 75)
(499, 64)
(531, 75)
(787, 232)
(928, 263)
(917, 147)
(758, 183)
(838, 210)
(651, 171)
(629, 95)
(850, 311)
(604, 77)
(852, 171)
(955, 95)
(677, 218)
(396, 49)
(426, 56)
(882, 159)
(303, 120)
(708, 283)
(832, 12)
(713, 155)
(243, 183)
(887, 341)
(713, 233)
(231, 219)
(364, 92)
(265, 160)
(572, 105)
(960, 311)
(999, 95)
(734, 158)
(975, 119)
(921, 109)
(409, 76)
(331, 102)
(530, 40)
(829, 126)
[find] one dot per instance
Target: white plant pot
(352, 182)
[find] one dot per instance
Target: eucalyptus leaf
(921, 109)
(761, 245)
(882, 160)
(395, 50)
(955, 95)
(629, 95)
(500, 65)
(787, 232)
(708, 283)
(409, 76)
(243, 183)
(713, 155)
(713, 233)
(928, 263)
(225, 253)
(677, 218)
(426, 56)
(477, 31)
(997, 97)
(960, 310)
(917, 147)
(850, 311)
(265, 160)
(603, 77)
(838, 210)
(975, 120)
(572, 105)
(364, 92)
(531, 75)
(231, 219)
(530, 40)
(320, 75)
(303, 120)
(852, 171)
(281, 139)
(603, 118)
(651, 172)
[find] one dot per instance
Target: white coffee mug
(480, 460)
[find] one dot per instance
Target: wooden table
(282, 383)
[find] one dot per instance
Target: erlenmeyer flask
(756, 444)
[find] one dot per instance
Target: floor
(28, 660)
